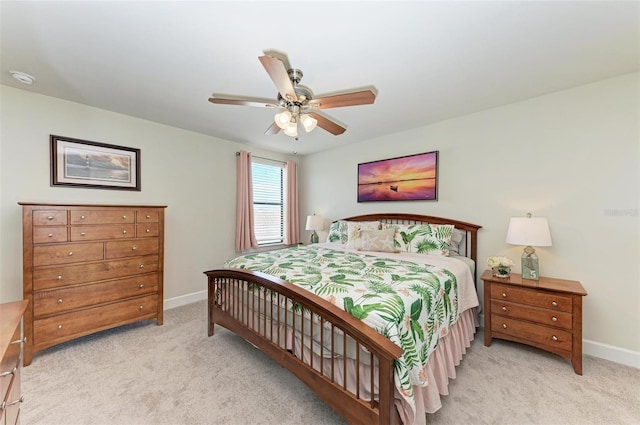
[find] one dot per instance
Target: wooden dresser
(87, 268)
(545, 313)
(10, 349)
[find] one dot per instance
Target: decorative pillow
(378, 240)
(433, 239)
(354, 228)
(338, 232)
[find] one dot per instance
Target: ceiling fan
(296, 102)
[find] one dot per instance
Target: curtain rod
(260, 157)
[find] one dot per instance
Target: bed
(376, 333)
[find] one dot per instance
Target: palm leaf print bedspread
(411, 304)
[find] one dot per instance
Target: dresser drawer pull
(124, 232)
(553, 303)
(20, 400)
(59, 300)
(554, 319)
(59, 277)
(124, 217)
(141, 286)
(82, 233)
(141, 307)
(142, 266)
(50, 235)
(59, 326)
(19, 341)
(504, 295)
(70, 253)
(11, 372)
(49, 217)
(81, 217)
(148, 216)
(133, 248)
(147, 230)
(553, 337)
(504, 326)
(504, 308)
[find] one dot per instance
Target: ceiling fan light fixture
(282, 119)
(292, 129)
(308, 122)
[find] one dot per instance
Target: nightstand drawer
(531, 297)
(556, 338)
(541, 316)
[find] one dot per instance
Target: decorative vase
(502, 271)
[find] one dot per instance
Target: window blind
(268, 200)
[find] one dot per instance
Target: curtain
(245, 235)
(292, 226)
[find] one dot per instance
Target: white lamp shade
(314, 222)
(291, 129)
(529, 231)
(308, 122)
(282, 119)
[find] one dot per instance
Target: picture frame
(404, 178)
(87, 164)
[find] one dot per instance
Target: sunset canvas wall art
(407, 178)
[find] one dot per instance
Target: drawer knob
(82, 233)
(50, 235)
(141, 286)
(49, 217)
(59, 326)
(142, 266)
(70, 253)
(504, 308)
(10, 372)
(554, 319)
(504, 326)
(141, 307)
(124, 217)
(81, 217)
(553, 303)
(504, 295)
(148, 216)
(59, 277)
(124, 232)
(553, 337)
(148, 230)
(134, 248)
(59, 300)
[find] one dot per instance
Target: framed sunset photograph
(406, 178)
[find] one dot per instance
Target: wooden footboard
(250, 304)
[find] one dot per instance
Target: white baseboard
(185, 299)
(603, 351)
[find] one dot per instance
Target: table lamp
(314, 222)
(529, 231)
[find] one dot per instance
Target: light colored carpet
(144, 374)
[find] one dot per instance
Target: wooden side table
(545, 313)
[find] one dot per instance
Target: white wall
(194, 175)
(573, 156)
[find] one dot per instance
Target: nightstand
(545, 313)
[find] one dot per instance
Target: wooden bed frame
(242, 318)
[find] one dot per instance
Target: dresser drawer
(67, 253)
(558, 319)
(147, 230)
(50, 234)
(56, 277)
(554, 338)
(131, 248)
(110, 216)
(147, 216)
(531, 297)
(93, 319)
(61, 300)
(109, 231)
(49, 217)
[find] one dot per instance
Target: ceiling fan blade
(362, 97)
(278, 73)
(327, 124)
(260, 103)
(273, 129)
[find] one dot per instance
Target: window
(268, 200)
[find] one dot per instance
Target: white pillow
(432, 239)
(354, 228)
(378, 240)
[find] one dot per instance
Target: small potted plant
(500, 266)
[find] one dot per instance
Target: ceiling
(428, 61)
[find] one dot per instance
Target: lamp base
(530, 269)
(314, 237)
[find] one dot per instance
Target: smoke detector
(22, 77)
